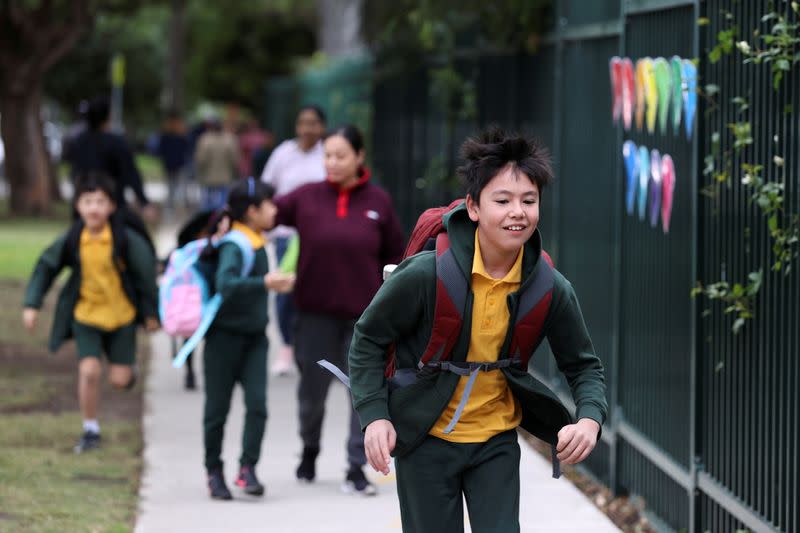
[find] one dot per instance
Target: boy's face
(263, 215)
(95, 208)
(508, 211)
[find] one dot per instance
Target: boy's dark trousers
(231, 357)
(432, 478)
(320, 336)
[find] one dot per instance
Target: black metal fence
(704, 423)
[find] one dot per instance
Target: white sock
(91, 425)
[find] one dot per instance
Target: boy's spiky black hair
(489, 152)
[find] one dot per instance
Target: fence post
(695, 522)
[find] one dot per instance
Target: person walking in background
(236, 343)
(111, 288)
(294, 163)
(173, 150)
(216, 164)
(348, 231)
(251, 139)
(99, 150)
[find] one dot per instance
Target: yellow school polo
(255, 238)
(491, 408)
(102, 302)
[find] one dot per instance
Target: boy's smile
(507, 214)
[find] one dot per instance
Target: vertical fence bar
(695, 267)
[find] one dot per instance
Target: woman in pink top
(294, 163)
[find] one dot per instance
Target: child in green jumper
(453, 427)
(111, 288)
(236, 343)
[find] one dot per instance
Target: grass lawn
(45, 486)
(22, 239)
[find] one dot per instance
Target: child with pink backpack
(233, 322)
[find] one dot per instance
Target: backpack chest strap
(464, 369)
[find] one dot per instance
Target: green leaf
(703, 21)
(772, 223)
(711, 89)
(738, 324)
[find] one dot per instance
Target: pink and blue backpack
(186, 305)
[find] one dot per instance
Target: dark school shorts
(118, 345)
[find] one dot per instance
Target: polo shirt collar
(256, 239)
(513, 276)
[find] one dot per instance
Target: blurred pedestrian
(173, 150)
(348, 231)
(236, 343)
(216, 164)
(294, 163)
(111, 288)
(251, 139)
(99, 150)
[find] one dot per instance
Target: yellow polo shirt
(256, 239)
(102, 302)
(491, 408)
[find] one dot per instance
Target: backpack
(186, 303)
(451, 293)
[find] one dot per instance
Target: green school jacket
(244, 303)
(402, 312)
(137, 272)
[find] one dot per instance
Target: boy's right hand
(29, 316)
(379, 440)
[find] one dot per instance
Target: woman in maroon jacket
(348, 231)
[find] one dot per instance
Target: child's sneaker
(248, 481)
(357, 483)
(307, 470)
(284, 362)
(217, 488)
(89, 441)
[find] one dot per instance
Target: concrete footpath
(174, 498)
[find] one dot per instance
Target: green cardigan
(244, 303)
(402, 312)
(137, 272)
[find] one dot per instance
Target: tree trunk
(27, 163)
(174, 100)
(339, 27)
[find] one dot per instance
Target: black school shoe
(357, 483)
(217, 488)
(89, 441)
(307, 470)
(248, 481)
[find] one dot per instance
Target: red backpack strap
(451, 296)
(534, 305)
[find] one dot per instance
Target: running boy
(236, 343)
(112, 287)
(452, 429)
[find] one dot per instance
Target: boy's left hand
(576, 441)
(151, 324)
